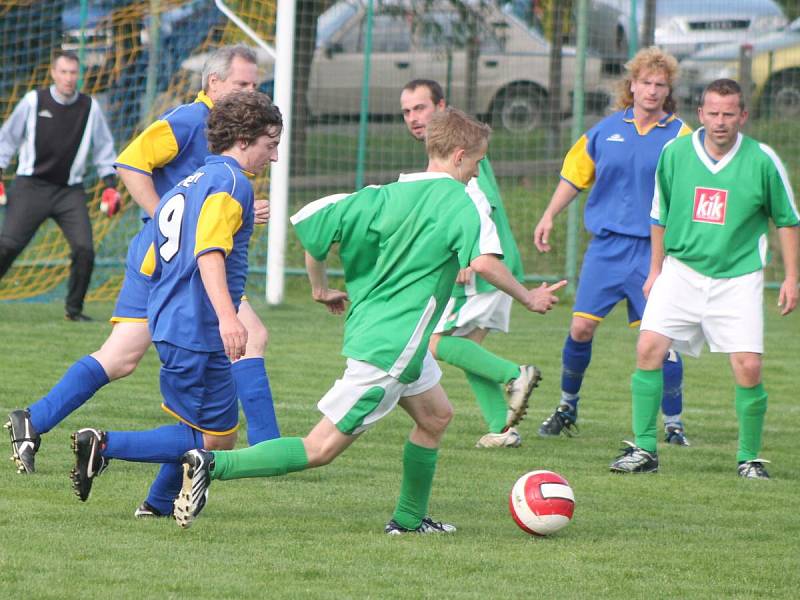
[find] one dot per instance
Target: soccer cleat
(87, 445)
(148, 511)
(563, 420)
(78, 317)
(25, 440)
(194, 491)
(428, 525)
(519, 391)
(753, 469)
(509, 438)
(675, 434)
(635, 460)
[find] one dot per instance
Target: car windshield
(332, 19)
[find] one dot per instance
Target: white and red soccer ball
(541, 502)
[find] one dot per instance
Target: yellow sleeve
(578, 166)
(149, 261)
(155, 147)
(220, 218)
(685, 130)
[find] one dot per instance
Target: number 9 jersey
(211, 210)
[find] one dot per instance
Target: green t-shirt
(716, 215)
(486, 196)
(401, 247)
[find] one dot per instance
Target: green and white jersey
(486, 195)
(401, 247)
(716, 215)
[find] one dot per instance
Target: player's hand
(110, 202)
(541, 235)
(648, 284)
(234, 337)
(334, 300)
(542, 299)
(261, 209)
(464, 276)
(787, 299)
(3, 198)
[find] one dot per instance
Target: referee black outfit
(53, 130)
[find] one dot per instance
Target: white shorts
(365, 394)
(690, 308)
(490, 310)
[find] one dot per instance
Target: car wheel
(519, 109)
(783, 96)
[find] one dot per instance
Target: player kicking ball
(716, 191)
(201, 230)
(401, 247)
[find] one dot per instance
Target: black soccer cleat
(148, 511)
(87, 445)
(563, 420)
(635, 460)
(192, 498)
(25, 440)
(676, 434)
(753, 469)
(428, 525)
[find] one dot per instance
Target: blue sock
(162, 445)
(165, 487)
(672, 400)
(252, 387)
(78, 384)
(575, 358)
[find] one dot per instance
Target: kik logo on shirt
(710, 205)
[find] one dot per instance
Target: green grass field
(694, 530)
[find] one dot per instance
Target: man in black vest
(53, 129)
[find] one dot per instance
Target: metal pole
(362, 121)
(153, 50)
(633, 32)
(279, 174)
(573, 214)
(82, 46)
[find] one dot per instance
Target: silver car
(682, 27)
(413, 40)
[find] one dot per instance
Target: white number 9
(169, 224)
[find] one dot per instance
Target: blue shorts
(198, 388)
(615, 268)
(131, 303)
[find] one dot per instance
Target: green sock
(267, 459)
(751, 406)
(472, 357)
(647, 388)
(419, 466)
(491, 400)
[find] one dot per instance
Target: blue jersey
(172, 147)
(620, 160)
(211, 210)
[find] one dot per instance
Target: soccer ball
(541, 502)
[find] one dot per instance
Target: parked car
(682, 27)
(775, 72)
(513, 65)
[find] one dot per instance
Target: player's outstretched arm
(790, 244)
(493, 270)
(334, 300)
(233, 333)
(563, 195)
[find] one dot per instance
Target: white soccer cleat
(509, 438)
